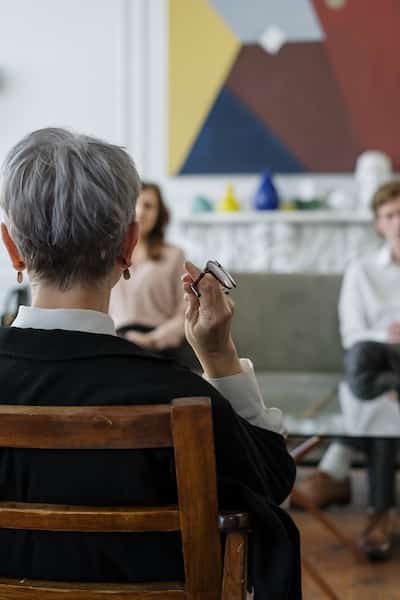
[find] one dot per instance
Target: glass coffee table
(310, 404)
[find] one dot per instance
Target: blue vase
(266, 197)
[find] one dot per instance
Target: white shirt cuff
(245, 397)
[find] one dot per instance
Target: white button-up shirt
(370, 298)
(240, 390)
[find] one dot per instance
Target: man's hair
(68, 200)
(384, 194)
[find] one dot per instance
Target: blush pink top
(153, 296)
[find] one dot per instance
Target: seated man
(369, 314)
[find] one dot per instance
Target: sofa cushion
(288, 321)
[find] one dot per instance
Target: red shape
(362, 43)
(295, 94)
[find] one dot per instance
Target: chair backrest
(185, 425)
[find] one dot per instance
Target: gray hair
(68, 200)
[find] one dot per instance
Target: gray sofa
(288, 325)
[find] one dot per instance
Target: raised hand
(208, 324)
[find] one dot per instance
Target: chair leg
(234, 582)
(318, 579)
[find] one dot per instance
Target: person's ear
(12, 249)
(129, 243)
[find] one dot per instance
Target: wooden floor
(349, 579)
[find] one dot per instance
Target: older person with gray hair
(69, 220)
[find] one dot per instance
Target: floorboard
(349, 579)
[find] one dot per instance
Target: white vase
(372, 169)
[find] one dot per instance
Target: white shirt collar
(71, 319)
(384, 256)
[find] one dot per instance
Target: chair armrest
(233, 521)
(234, 582)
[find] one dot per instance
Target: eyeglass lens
(218, 271)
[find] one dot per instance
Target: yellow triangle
(201, 52)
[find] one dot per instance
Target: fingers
(213, 296)
(204, 281)
(194, 277)
(229, 301)
(192, 270)
(192, 306)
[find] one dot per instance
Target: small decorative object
(229, 201)
(307, 189)
(312, 204)
(340, 200)
(373, 168)
(201, 204)
(287, 205)
(266, 197)
(308, 197)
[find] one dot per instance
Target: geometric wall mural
(293, 85)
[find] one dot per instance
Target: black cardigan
(65, 368)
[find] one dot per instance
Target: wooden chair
(185, 425)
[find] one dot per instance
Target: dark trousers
(381, 469)
(182, 354)
(373, 368)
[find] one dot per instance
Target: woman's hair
(155, 237)
(384, 194)
(68, 200)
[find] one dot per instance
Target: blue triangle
(233, 140)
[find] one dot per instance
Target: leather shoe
(376, 539)
(323, 490)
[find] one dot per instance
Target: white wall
(100, 66)
(62, 62)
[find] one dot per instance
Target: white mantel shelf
(278, 216)
(277, 241)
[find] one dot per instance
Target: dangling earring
(20, 277)
(126, 272)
